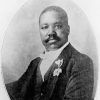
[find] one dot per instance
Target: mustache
(52, 37)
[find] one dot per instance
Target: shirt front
(48, 58)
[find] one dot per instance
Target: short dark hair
(56, 9)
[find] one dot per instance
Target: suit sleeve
(17, 88)
(80, 83)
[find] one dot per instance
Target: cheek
(43, 36)
(43, 33)
(62, 34)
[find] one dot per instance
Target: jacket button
(41, 94)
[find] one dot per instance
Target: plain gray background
(22, 41)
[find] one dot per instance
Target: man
(61, 72)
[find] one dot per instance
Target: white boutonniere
(59, 62)
(58, 70)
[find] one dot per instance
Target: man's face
(54, 30)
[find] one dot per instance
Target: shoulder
(80, 57)
(81, 61)
(24, 78)
(33, 62)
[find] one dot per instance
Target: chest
(45, 86)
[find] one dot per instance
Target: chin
(53, 48)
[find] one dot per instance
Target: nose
(51, 31)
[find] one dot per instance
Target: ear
(68, 29)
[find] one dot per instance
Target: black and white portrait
(49, 53)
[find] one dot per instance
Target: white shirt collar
(53, 54)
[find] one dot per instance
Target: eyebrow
(60, 23)
(43, 24)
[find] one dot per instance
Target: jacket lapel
(65, 56)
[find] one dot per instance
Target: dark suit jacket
(74, 83)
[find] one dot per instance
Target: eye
(58, 26)
(44, 27)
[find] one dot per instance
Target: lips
(52, 40)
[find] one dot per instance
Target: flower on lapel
(59, 62)
(58, 70)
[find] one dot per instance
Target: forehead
(51, 17)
